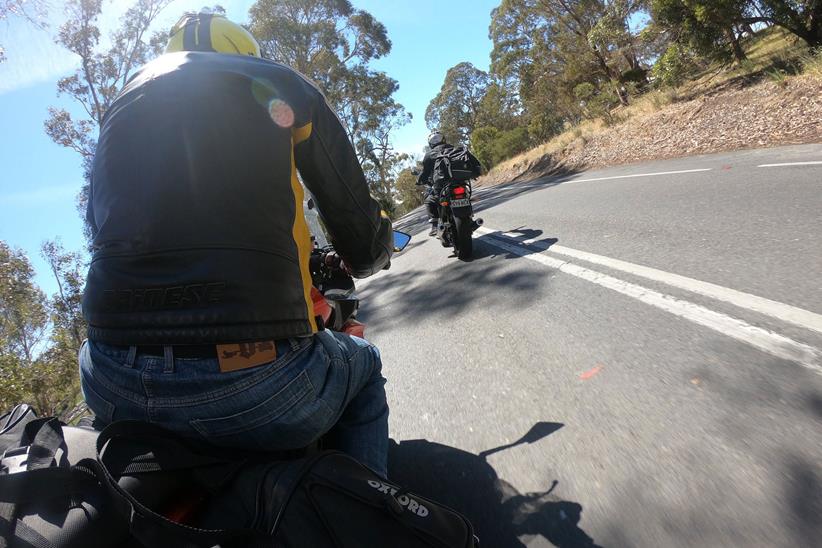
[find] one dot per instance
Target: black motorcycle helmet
(436, 138)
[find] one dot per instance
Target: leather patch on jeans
(234, 357)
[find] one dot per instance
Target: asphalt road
(632, 359)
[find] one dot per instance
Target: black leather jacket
(428, 161)
(197, 211)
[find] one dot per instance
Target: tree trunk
(739, 53)
(814, 37)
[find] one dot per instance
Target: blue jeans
(329, 384)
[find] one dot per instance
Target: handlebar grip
(332, 260)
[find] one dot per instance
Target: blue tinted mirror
(401, 240)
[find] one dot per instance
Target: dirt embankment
(763, 115)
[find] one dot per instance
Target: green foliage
(544, 124)
(23, 307)
(812, 63)
(778, 76)
(491, 145)
(456, 108)
(598, 102)
(382, 164)
(551, 46)
(40, 337)
(409, 195)
(672, 68)
(709, 27)
(800, 17)
(68, 270)
(498, 107)
(562, 61)
(482, 145)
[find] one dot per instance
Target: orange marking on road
(590, 374)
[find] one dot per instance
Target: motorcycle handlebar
(328, 261)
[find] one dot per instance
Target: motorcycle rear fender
(462, 212)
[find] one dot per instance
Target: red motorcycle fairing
(321, 306)
(354, 328)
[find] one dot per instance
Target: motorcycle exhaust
(477, 223)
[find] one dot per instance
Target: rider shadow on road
(540, 177)
(467, 483)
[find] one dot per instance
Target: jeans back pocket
(261, 413)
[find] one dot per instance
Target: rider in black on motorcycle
(448, 171)
(198, 299)
(438, 145)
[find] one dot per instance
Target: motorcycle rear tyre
(463, 243)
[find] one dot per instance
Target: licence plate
(462, 202)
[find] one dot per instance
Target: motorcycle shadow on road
(502, 517)
(416, 222)
(516, 235)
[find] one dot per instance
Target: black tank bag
(48, 498)
(456, 164)
(132, 478)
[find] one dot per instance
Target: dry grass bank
(756, 104)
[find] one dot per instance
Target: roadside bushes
(672, 68)
(491, 145)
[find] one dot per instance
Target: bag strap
(284, 490)
(177, 455)
(46, 442)
(149, 527)
(13, 426)
(35, 479)
(13, 417)
(21, 532)
(32, 487)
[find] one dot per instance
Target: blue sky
(39, 180)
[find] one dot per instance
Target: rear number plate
(462, 202)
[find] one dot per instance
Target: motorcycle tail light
(443, 203)
(459, 191)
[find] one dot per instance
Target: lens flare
(281, 113)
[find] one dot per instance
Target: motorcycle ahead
(456, 223)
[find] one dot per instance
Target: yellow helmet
(211, 32)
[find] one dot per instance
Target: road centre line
(772, 343)
(780, 311)
(635, 175)
(790, 164)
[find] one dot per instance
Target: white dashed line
(793, 164)
(767, 341)
(780, 311)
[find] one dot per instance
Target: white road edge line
(793, 164)
(780, 311)
(772, 343)
(636, 175)
(562, 183)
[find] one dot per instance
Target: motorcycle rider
(435, 182)
(437, 145)
(198, 292)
